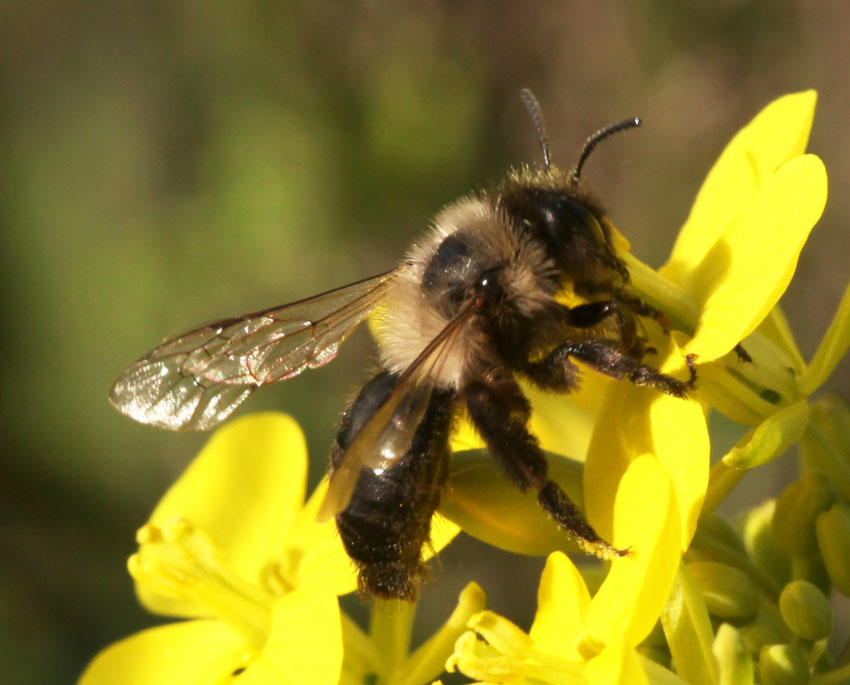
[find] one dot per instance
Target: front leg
(557, 371)
(626, 298)
(641, 308)
(623, 307)
(517, 452)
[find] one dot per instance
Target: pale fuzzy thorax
(408, 322)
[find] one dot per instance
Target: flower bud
(733, 658)
(728, 592)
(488, 507)
(761, 543)
(806, 611)
(770, 438)
(796, 511)
(832, 415)
(783, 665)
(813, 570)
(717, 528)
(833, 535)
(757, 635)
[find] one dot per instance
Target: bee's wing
(196, 380)
(388, 434)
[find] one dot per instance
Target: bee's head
(569, 226)
(549, 206)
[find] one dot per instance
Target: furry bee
(475, 304)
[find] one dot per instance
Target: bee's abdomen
(388, 519)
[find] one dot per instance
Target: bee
(475, 305)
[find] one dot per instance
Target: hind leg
(500, 418)
(557, 371)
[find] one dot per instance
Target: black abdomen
(388, 519)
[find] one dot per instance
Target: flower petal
(635, 421)
(681, 443)
(243, 489)
(562, 601)
(204, 651)
(748, 268)
(443, 531)
(429, 659)
(305, 644)
(617, 663)
(564, 424)
(360, 658)
(464, 437)
(647, 520)
(314, 551)
(777, 134)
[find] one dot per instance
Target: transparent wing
(388, 434)
(196, 380)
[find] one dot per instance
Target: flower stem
(390, 627)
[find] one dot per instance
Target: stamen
(179, 562)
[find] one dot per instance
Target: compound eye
(566, 217)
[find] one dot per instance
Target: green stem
(429, 660)
(831, 349)
(820, 451)
(663, 294)
(390, 628)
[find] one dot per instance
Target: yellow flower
(233, 546)
(735, 256)
(732, 261)
(382, 658)
(303, 644)
(576, 638)
(738, 250)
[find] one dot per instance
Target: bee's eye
(451, 265)
(557, 218)
(566, 219)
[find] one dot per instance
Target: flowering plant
(234, 549)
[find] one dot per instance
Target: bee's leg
(557, 372)
(623, 311)
(590, 314)
(503, 428)
(641, 308)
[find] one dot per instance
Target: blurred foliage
(167, 163)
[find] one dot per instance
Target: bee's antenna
(601, 134)
(537, 117)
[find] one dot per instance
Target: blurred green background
(167, 163)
